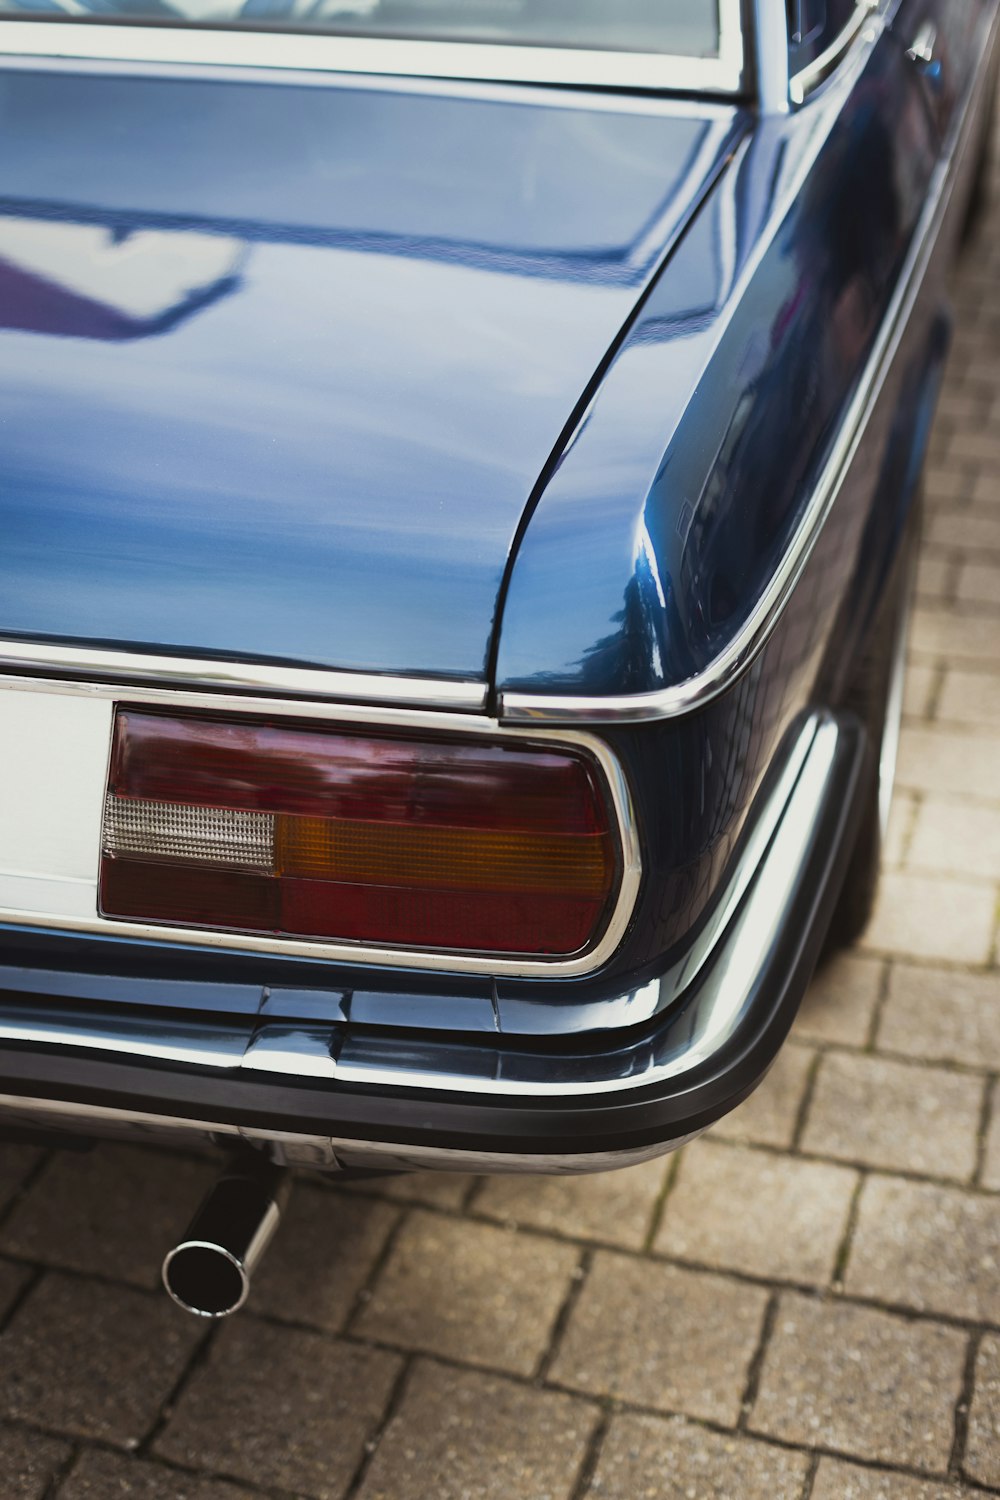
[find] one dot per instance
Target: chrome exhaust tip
(208, 1272)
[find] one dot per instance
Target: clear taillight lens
(384, 840)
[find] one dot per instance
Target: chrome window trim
(108, 41)
(370, 716)
(685, 697)
(241, 676)
(810, 77)
(770, 39)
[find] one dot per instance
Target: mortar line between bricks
(805, 1102)
(905, 1313)
(751, 1385)
(471, 1193)
(371, 1444)
(882, 992)
(963, 1407)
(592, 1454)
(88, 1443)
(810, 1479)
(660, 1201)
(624, 1407)
(576, 1284)
(847, 1239)
(24, 1188)
(659, 1257)
(579, 1243)
(195, 1360)
(62, 1472)
(940, 964)
(35, 1275)
(983, 1131)
(365, 1292)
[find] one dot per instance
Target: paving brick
(841, 1000)
(894, 1114)
(979, 583)
(978, 445)
(836, 1480)
(769, 1116)
(280, 1407)
(942, 1015)
(464, 1436)
(960, 838)
(985, 488)
(951, 637)
(902, 815)
(991, 1160)
(114, 1211)
(15, 1164)
(862, 1382)
(743, 1210)
(949, 482)
(98, 1475)
(470, 1291)
(936, 577)
(29, 1462)
(98, 1361)
(982, 1449)
(616, 1207)
(970, 698)
(322, 1256)
(662, 1337)
(925, 916)
(930, 1248)
(945, 761)
(656, 1458)
(973, 529)
(919, 688)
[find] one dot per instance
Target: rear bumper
(335, 1097)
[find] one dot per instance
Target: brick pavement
(805, 1303)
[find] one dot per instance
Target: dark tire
(875, 695)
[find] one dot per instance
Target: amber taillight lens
(458, 844)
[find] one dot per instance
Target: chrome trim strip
(684, 697)
(177, 1040)
(771, 56)
(240, 676)
(312, 52)
(374, 716)
(810, 77)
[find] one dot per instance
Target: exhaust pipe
(208, 1273)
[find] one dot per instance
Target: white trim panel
(54, 766)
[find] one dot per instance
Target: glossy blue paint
(281, 364)
(677, 499)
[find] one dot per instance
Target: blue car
(459, 485)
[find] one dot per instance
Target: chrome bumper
(340, 1097)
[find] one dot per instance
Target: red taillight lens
(376, 839)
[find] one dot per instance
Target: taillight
(384, 840)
